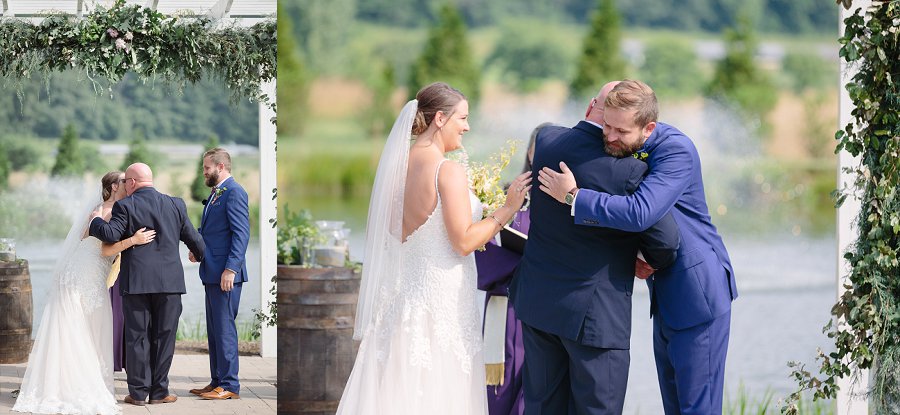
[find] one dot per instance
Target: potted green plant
(297, 234)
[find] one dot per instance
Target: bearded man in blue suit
(225, 228)
(691, 299)
(572, 289)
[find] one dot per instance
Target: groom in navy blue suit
(572, 290)
(225, 227)
(691, 300)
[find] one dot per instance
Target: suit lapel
(213, 200)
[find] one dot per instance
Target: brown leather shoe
(201, 391)
(130, 400)
(219, 393)
(167, 399)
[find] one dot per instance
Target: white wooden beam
(220, 10)
(268, 209)
(850, 399)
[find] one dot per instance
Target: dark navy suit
(691, 300)
(225, 227)
(151, 282)
(572, 290)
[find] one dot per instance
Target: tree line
(775, 16)
(526, 56)
(44, 108)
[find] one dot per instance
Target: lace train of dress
(70, 366)
(422, 354)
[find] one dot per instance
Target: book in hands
(513, 240)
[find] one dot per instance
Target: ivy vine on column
(865, 322)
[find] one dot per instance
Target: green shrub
(670, 68)
(526, 57)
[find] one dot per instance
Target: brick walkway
(258, 394)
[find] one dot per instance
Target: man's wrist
(570, 196)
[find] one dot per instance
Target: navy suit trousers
(221, 332)
(690, 365)
(566, 377)
(151, 321)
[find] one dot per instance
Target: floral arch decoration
(107, 43)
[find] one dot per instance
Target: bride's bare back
(420, 194)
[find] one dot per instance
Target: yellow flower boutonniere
(641, 155)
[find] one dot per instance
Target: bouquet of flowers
(484, 178)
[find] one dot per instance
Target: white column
(268, 209)
(847, 232)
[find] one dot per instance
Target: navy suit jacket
(225, 227)
(576, 281)
(695, 289)
(154, 267)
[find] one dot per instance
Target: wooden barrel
(15, 312)
(316, 350)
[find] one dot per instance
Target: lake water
(41, 258)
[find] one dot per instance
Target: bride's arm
(140, 237)
(466, 236)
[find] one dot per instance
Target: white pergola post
(848, 402)
(268, 209)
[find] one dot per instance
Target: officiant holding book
(504, 351)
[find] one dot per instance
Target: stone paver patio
(258, 393)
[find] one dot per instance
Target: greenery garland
(865, 323)
(108, 43)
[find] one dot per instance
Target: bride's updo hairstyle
(107, 181)
(433, 98)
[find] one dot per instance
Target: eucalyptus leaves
(108, 43)
(866, 319)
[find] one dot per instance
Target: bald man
(151, 280)
(572, 289)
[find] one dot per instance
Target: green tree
(22, 154)
(670, 67)
(447, 57)
(138, 152)
(601, 59)
(323, 30)
(807, 71)
(90, 155)
(199, 190)
(380, 115)
(4, 170)
(292, 90)
(527, 57)
(69, 159)
(737, 79)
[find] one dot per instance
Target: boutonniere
(641, 155)
(220, 190)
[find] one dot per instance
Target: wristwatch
(570, 197)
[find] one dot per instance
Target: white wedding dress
(422, 354)
(70, 367)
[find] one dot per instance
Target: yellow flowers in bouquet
(484, 178)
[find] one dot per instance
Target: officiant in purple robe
(496, 266)
(118, 328)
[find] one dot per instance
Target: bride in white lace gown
(417, 315)
(70, 366)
